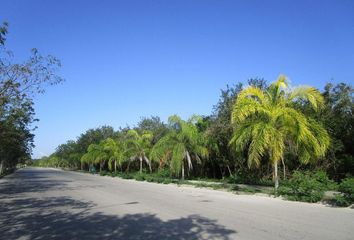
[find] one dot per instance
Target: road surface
(53, 204)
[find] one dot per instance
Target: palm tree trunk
(148, 163)
(1, 167)
(276, 180)
(115, 166)
(141, 164)
(284, 173)
(182, 170)
(228, 167)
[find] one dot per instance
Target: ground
(40, 203)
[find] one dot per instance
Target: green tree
(267, 123)
(183, 142)
(19, 83)
(94, 136)
(115, 153)
(68, 152)
(93, 155)
(138, 146)
(154, 125)
(338, 117)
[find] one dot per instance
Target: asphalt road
(52, 204)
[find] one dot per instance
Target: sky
(123, 60)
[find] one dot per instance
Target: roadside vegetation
(297, 140)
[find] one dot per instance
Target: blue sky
(127, 59)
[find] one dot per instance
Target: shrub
(140, 176)
(347, 190)
(239, 179)
(166, 181)
(165, 173)
(126, 176)
(306, 186)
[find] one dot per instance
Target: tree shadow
(66, 218)
(63, 217)
(36, 181)
(25, 181)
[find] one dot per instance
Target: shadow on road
(67, 218)
(27, 180)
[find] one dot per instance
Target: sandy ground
(53, 204)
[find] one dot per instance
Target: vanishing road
(52, 204)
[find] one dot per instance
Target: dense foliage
(267, 124)
(306, 186)
(201, 146)
(346, 187)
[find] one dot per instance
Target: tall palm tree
(267, 122)
(183, 142)
(114, 151)
(92, 155)
(138, 147)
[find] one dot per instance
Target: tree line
(256, 132)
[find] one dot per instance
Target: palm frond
(306, 93)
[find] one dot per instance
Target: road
(53, 204)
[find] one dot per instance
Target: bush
(239, 179)
(165, 173)
(140, 176)
(347, 190)
(306, 186)
(126, 176)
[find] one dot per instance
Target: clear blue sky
(127, 59)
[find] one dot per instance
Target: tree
(138, 147)
(114, 151)
(92, 156)
(267, 123)
(183, 142)
(338, 118)
(19, 83)
(68, 152)
(154, 125)
(219, 132)
(93, 136)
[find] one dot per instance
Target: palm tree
(138, 147)
(182, 142)
(267, 122)
(92, 155)
(114, 151)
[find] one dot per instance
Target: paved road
(53, 204)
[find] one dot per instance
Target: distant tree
(183, 142)
(93, 155)
(138, 146)
(266, 122)
(115, 153)
(3, 32)
(94, 136)
(68, 152)
(154, 125)
(338, 117)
